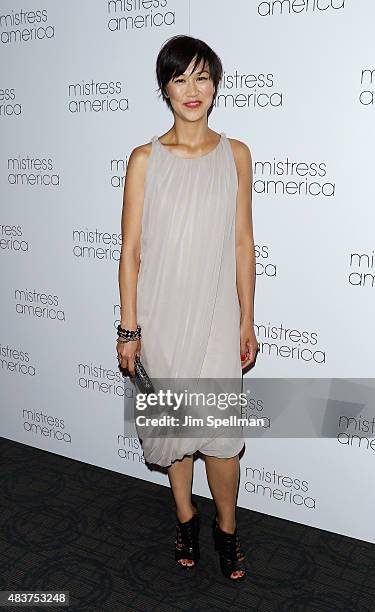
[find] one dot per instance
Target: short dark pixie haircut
(175, 56)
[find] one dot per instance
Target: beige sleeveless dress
(187, 302)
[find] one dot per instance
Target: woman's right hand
(126, 353)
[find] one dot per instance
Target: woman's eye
(204, 78)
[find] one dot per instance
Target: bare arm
(245, 253)
(131, 223)
(245, 250)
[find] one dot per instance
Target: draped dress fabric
(187, 301)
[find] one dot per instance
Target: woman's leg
(180, 475)
(223, 478)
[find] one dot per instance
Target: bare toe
(237, 574)
(186, 562)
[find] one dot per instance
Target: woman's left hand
(249, 345)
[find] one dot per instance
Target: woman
(186, 277)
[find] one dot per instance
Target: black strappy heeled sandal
(232, 558)
(187, 540)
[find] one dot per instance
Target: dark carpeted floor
(108, 540)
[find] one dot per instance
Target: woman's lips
(192, 104)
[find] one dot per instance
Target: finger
(255, 352)
(123, 361)
(251, 354)
(245, 361)
(131, 366)
(249, 358)
(243, 350)
(244, 353)
(249, 347)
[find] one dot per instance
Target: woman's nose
(192, 87)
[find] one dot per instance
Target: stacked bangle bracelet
(126, 335)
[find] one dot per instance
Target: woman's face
(187, 88)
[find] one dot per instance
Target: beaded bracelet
(128, 334)
(119, 339)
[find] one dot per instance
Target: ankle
(185, 514)
(227, 525)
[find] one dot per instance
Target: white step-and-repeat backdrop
(77, 94)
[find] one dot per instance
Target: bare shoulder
(138, 159)
(243, 161)
(241, 153)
